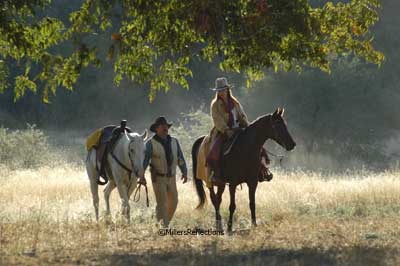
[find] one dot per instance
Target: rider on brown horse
(229, 118)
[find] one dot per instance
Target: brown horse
(242, 163)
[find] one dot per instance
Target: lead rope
(136, 199)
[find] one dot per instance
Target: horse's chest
(242, 166)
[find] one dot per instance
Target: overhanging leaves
(154, 42)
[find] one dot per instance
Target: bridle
(130, 171)
(275, 132)
(273, 127)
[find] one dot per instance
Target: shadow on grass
(356, 256)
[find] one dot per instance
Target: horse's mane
(134, 134)
(257, 120)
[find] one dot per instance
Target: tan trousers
(166, 197)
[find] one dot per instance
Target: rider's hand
(229, 133)
(184, 178)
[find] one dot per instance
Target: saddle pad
(93, 139)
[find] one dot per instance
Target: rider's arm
(147, 154)
(218, 118)
(181, 160)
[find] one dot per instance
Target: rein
(138, 190)
(120, 163)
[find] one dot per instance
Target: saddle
(230, 142)
(108, 137)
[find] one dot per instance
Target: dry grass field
(46, 218)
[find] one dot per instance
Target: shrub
(193, 125)
(26, 148)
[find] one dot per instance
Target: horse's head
(136, 152)
(280, 132)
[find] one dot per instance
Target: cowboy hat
(159, 121)
(221, 84)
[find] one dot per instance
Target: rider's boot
(264, 174)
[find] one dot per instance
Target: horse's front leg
(123, 193)
(252, 200)
(213, 198)
(232, 206)
(218, 198)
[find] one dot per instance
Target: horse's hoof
(219, 226)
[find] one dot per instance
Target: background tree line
(349, 116)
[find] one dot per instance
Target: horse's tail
(198, 182)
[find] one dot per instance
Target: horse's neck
(262, 129)
(121, 149)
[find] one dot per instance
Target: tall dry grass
(304, 218)
(63, 193)
(46, 217)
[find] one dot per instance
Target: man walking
(164, 154)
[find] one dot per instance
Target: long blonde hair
(229, 96)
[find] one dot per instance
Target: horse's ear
(144, 134)
(276, 112)
(282, 111)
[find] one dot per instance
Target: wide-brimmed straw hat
(159, 121)
(221, 84)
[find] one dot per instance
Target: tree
(154, 41)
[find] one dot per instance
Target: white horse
(129, 151)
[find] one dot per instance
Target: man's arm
(181, 160)
(147, 154)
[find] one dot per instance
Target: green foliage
(27, 43)
(194, 124)
(154, 42)
(3, 76)
(23, 148)
(21, 84)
